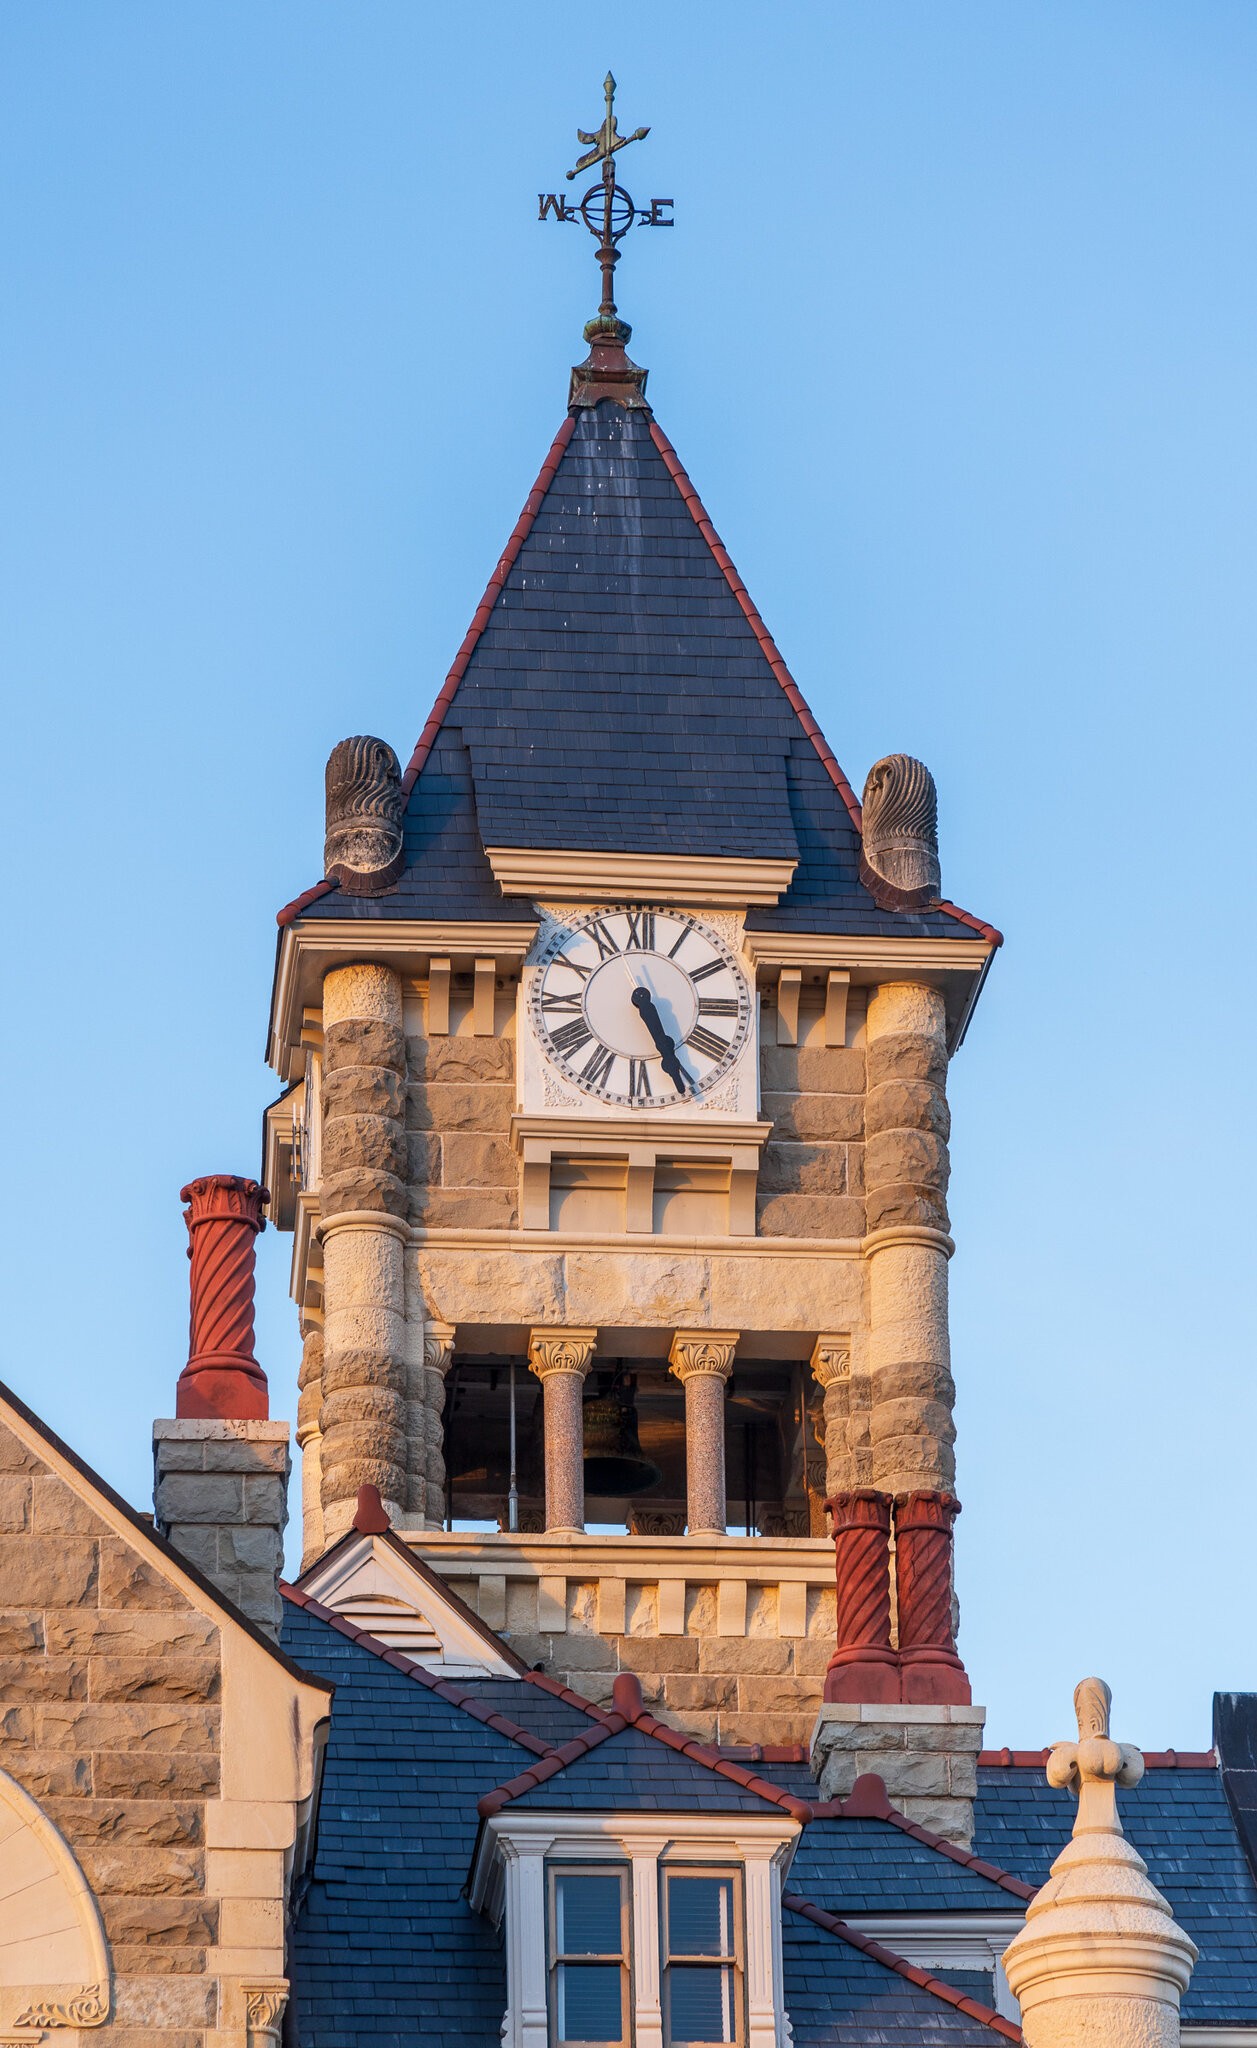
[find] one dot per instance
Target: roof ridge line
(777, 663)
(554, 1761)
(493, 588)
(688, 1745)
(794, 1902)
(480, 619)
(445, 1688)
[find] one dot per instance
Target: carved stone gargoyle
(899, 860)
(365, 801)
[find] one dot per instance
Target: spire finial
(608, 210)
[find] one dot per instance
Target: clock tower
(613, 1133)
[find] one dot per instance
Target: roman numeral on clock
(708, 967)
(640, 1089)
(569, 1038)
(554, 1005)
(597, 1066)
(705, 1041)
(717, 1006)
(607, 948)
(641, 930)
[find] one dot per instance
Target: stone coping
(762, 1559)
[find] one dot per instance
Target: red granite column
(222, 1378)
(932, 1673)
(863, 1668)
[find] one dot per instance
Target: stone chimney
(221, 1466)
(897, 1700)
(1101, 1958)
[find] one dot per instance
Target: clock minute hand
(644, 1005)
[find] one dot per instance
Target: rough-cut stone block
(467, 1208)
(425, 1160)
(22, 1632)
(477, 1160)
(916, 1158)
(133, 1959)
(582, 1653)
(784, 1695)
(14, 1456)
(364, 1091)
(145, 1870)
(812, 1069)
(92, 1725)
(492, 1286)
(811, 1655)
(46, 1571)
(265, 1500)
(48, 1773)
(362, 1187)
(150, 1821)
(450, 1106)
(173, 2001)
(823, 1216)
(43, 1678)
(662, 1653)
(908, 1105)
(906, 1056)
(15, 1502)
(127, 1774)
(166, 1922)
(464, 1061)
(758, 1655)
(363, 1042)
(635, 1288)
(685, 1693)
(803, 1169)
(704, 1727)
(153, 1677)
(823, 1119)
(370, 1143)
(254, 1459)
(198, 1542)
(198, 1497)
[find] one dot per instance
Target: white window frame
(736, 1958)
(509, 1882)
(557, 1867)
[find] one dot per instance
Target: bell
(615, 1464)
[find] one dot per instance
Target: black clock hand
(644, 1005)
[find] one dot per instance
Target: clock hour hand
(643, 1003)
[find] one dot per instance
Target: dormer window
(630, 1929)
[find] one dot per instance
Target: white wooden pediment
(371, 1584)
(54, 1960)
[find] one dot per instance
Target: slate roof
(632, 1772)
(839, 1997)
(1180, 1822)
(871, 1866)
(619, 694)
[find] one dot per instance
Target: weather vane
(607, 209)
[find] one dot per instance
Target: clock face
(641, 1008)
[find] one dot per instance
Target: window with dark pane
(702, 1958)
(589, 1958)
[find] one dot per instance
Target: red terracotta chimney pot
(222, 1380)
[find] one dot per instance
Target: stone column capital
(698, 1353)
(561, 1350)
(438, 1345)
(831, 1359)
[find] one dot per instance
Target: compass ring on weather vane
(608, 211)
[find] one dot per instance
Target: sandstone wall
(459, 1101)
(811, 1176)
(110, 1717)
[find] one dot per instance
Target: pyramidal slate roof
(618, 691)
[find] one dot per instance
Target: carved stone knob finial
(363, 848)
(899, 864)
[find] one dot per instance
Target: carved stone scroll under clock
(630, 1010)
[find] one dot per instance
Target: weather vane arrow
(606, 209)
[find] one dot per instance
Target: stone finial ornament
(363, 847)
(899, 861)
(1101, 1958)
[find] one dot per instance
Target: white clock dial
(640, 1007)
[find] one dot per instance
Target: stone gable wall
(109, 1717)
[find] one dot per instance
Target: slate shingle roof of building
(838, 1996)
(1182, 1826)
(621, 695)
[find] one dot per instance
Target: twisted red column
(932, 1671)
(222, 1378)
(863, 1668)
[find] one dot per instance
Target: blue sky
(955, 334)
